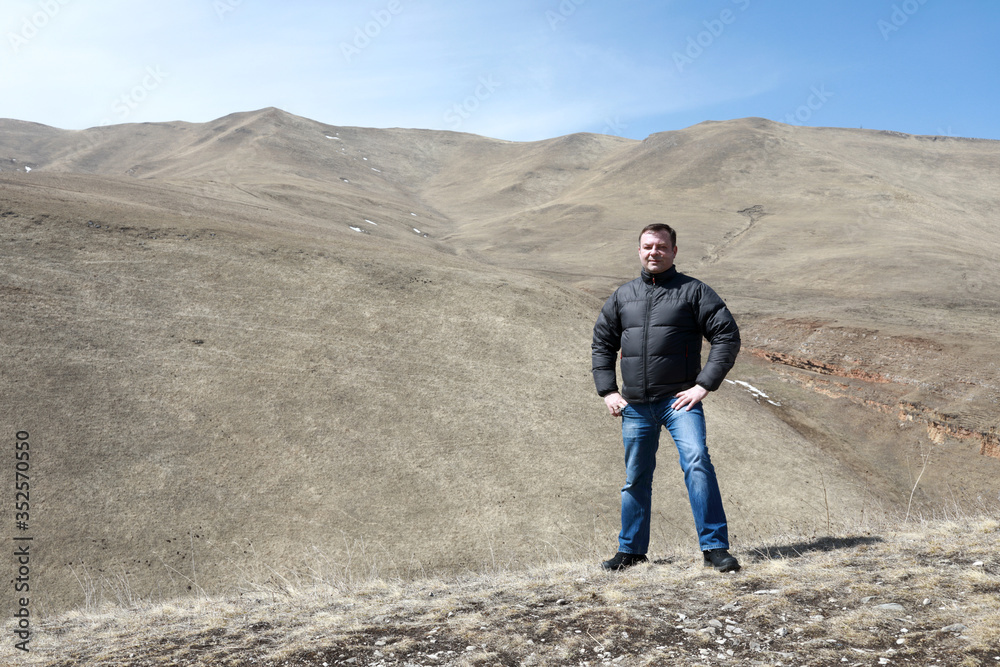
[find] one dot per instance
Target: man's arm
(604, 348)
(719, 328)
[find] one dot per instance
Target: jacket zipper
(645, 341)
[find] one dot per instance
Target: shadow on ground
(796, 550)
(799, 549)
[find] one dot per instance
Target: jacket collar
(658, 278)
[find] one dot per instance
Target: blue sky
(520, 70)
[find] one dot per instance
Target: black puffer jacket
(658, 322)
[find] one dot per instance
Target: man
(658, 321)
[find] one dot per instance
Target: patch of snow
(27, 170)
(414, 214)
(370, 222)
(417, 231)
(754, 391)
(378, 170)
(329, 137)
(356, 229)
(365, 159)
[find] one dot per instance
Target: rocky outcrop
(939, 425)
(819, 366)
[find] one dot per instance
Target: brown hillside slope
(242, 344)
(923, 594)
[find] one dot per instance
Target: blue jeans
(641, 424)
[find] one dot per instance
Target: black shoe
(623, 560)
(721, 560)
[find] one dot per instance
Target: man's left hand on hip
(689, 398)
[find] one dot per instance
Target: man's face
(656, 252)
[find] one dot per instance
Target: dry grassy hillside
(265, 342)
(924, 594)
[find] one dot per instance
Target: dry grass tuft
(923, 594)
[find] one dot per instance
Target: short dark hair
(660, 228)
